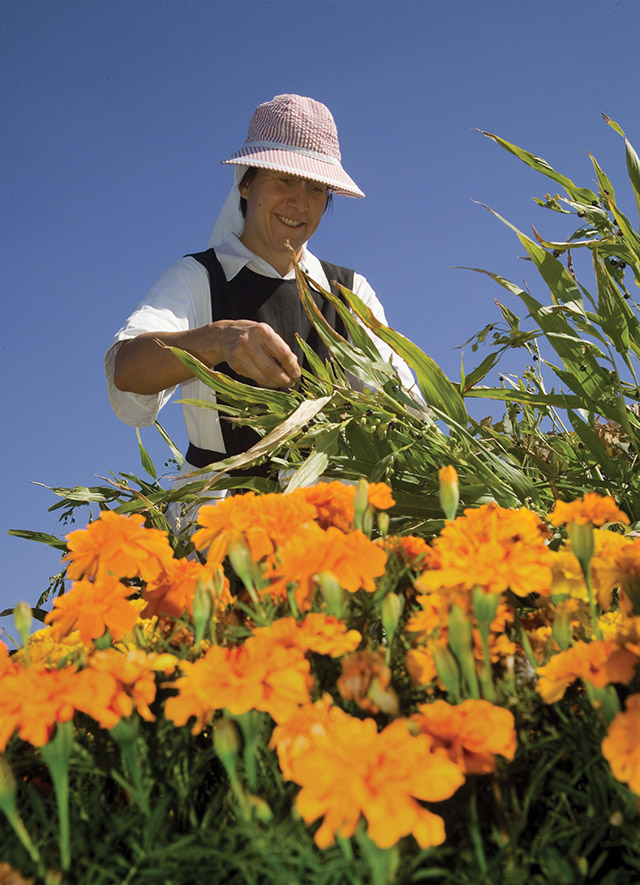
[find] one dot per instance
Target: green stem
(57, 754)
(474, 830)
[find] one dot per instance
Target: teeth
(289, 221)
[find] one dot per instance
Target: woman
(236, 306)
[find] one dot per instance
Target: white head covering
(230, 220)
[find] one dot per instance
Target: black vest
(251, 296)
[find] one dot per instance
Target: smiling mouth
(289, 221)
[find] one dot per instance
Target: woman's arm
(144, 365)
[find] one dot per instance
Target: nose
(300, 195)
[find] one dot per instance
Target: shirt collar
(233, 255)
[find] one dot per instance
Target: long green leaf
(40, 537)
(436, 388)
(581, 194)
(147, 463)
(175, 451)
(316, 463)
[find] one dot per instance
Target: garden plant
(410, 654)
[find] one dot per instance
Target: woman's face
(281, 208)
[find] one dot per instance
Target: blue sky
(116, 115)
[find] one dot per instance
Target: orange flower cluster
(118, 545)
(333, 502)
(352, 558)
(318, 632)
(592, 508)
(134, 675)
(93, 607)
(621, 747)
(262, 674)
(383, 781)
(34, 699)
(430, 625)
(171, 592)
(599, 662)
(492, 548)
(473, 733)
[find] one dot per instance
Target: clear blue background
(116, 114)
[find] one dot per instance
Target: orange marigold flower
(259, 675)
(333, 502)
(593, 508)
(264, 521)
(171, 592)
(381, 781)
(134, 674)
(421, 665)
(293, 736)
(93, 608)
(599, 662)
(621, 747)
(117, 544)
(352, 559)
(318, 632)
(34, 699)
(411, 550)
(473, 733)
(492, 548)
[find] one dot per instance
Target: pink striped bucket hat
(298, 135)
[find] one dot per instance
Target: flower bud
(449, 491)
(22, 617)
(226, 742)
(391, 611)
(383, 523)
(360, 504)
(446, 667)
(261, 809)
(202, 609)
(333, 594)
(582, 543)
(384, 698)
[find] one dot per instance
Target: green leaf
(598, 452)
(40, 537)
(581, 194)
(480, 371)
(316, 463)
(147, 463)
(275, 399)
(436, 388)
(175, 451)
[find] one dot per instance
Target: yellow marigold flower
(259, 675)
(352, 559)
(599, 662)
(621, 747)
(473, 733)
(44, 648)
(492, 548)
(593, 508)
(383, 781)
(117, 544)
(318, 632)
(93, 608)
(34, 699)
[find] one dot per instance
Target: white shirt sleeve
(178, 300)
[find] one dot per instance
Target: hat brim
(294, 163)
